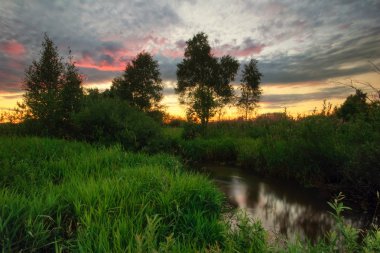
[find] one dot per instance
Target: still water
(284, 208)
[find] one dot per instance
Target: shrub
(109, 121)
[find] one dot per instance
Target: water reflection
(283, 207)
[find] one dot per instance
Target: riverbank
(285, 208)
(67, 196)
(316, 151)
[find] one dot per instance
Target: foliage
(109, 121)
(318, 150)
(247, 234)
(249, 87)
(343, 238)
(204, 80)
(353, 105)
(200, 150)
(140, 83)
(71, 197)
(53, 89)
(68, 196)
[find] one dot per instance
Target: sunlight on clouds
(8, 101)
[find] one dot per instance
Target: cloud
(247, 48)
(288, 99)
(12, 48)
(294, 41)
(7, 96)
(324, 62)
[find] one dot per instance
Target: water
(284, 208)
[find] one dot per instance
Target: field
(71, 197)
(68, 196)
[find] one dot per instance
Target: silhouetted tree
(353, 105)
(140, 83)
(72, 91)
(250, 88)
(204, 80)
(53, 89)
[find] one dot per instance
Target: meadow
(68, 196)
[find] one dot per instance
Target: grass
(68, 196)
(60, 196)
(317, 150)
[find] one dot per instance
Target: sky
(303, 47)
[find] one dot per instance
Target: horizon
(303, 49)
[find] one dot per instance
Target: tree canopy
(53, 88)
(250, 88)
(204, 80)
(353, 105)
(141, 83)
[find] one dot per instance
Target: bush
(200, 150)
(109, 121)
(191, 131)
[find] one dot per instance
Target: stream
(284, 208)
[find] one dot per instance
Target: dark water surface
(283, 207)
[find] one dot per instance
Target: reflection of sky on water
(283, 208)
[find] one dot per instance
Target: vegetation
(250, 91)
(68, 196)
(53, 89)
(354, 104)
(140, 83)
(110, 121)
(65, 196)
(71, 197)
(319, 150)
(204, 80)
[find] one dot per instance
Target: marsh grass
(317, 150)
(68, 196)
(60, 196)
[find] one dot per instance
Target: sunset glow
(303, 48)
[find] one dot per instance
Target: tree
(250, 88)
(353, 105)
(53, 89)
(204, 80)
(72, 91)
(140, 83)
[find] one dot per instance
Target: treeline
(56, 104)
(336, 150)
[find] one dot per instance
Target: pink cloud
(248, 51)
(102, 65)
(114, 56)
(12, 47)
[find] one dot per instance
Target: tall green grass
(68, 196)
(60, 196)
